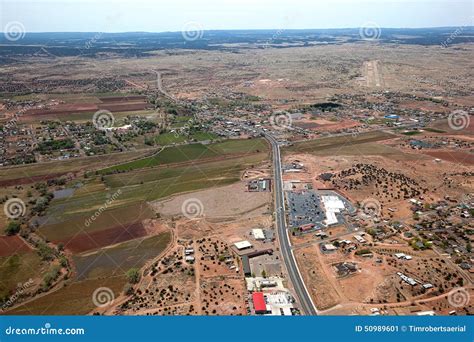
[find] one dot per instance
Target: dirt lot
(323, 293)
(219, 203)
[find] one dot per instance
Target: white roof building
(329, 247)
(243, 245)
(359, 239)
(332, 205)
(258, 234)
(279, 303)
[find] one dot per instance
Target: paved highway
(302, 294)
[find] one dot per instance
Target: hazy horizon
(261, 29)
(147, 16)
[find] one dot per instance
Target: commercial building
(258, 234)
(259, 304)
(243, 245)
(333, 206)
(246, 266)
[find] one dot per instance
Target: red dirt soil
(115, 99)
(457, 157)
(110, 236)
(124, 107)
(10, 245)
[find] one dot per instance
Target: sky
(176, 15)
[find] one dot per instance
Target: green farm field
(177, 154)
(230, 167)
(368, 149)
(333, 143)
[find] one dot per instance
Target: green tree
(13, 228)
(133, 275)
(45, 252)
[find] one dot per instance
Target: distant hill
(139, 44)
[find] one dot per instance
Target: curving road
(296, 279)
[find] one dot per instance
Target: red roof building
(259, 303)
